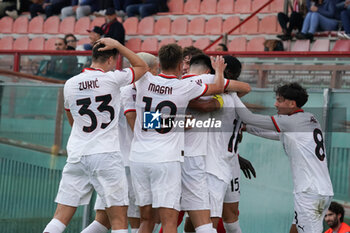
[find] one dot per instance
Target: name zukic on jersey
(88, 85)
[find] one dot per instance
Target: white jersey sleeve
(128, 96)
(123, 77)
(269, 134)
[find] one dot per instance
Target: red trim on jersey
(129, 110)
(93, 69)
(133, 75)
(226, 84)
(299, 110)
(67, 109)
(188, 76)
(205, 90)
(275, 123)
(167, 76)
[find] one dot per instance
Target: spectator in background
(49, 7)
(148, 7)
(113, 28)
(120, 5)
(4, 5)
(344, 8)
(94, 34)
(221, 48)
(321, 17)
(15, 10)
(71, 41)
(334, 219)
(294, 21)
(79, 8)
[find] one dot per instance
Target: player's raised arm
(241, 88)
(264, 133)
(218, 86)
(138, 65)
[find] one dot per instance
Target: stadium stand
(134, 44)
(256, 4)
(175, 7)
(37, 43)
(21, 43)
(179, 26)
(301, 45)
(185, 42)
(202, 43)
(50, 43)
(146, 26)
(67, 25)
(6, 43)
(213, 26)
(130, 25)
(243, 6)
(97, 21)
(256, 44)
(36, 25)
(196, 26)
(225, 7)
(251, 26)
(20, 25)
(84, 40)
(166, 41)
(237, 44)
(192, 6)
(149, 44)
(6, 24)
(342, 45)
(51, 25)
(208, 7)
(162, 26)
(320, 45)
(269, 25)
(230, 23)
(82, 25)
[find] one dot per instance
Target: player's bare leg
(188, 225)
(147, 220)
(117, 216)
(168, 218)
(61, 219)
(100, 224)
(199, 217)
(134, 222)
(293, 229)
(230, 217)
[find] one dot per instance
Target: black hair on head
(293, 91)
(102, 56)
(336, 208)
(233, 68)
(202, 59)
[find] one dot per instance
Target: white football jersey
(223, 143)
(128, 98)
(196, 141)
(167, 95)
(303, 142)
(93, 99)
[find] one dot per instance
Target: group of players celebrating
(149, 175)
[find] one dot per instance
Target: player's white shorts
(217, 190)
(103, 172)
(158, 184)
(195, 193)
(309, 212)
(133, 209)
(233, 190)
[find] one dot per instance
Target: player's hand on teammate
(218, 63)
(246, 167)
(108, 42)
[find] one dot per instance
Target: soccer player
(92, 100)
(126, 127)
(188, 53)
(334, 219)
(195, 193)
(156, 153)
(223, 169)
(302, 139)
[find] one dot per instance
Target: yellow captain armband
(219, 98)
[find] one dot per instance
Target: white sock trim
(204, 228)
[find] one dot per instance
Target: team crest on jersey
(313, 119)
(151, 120)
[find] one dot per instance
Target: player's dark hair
(102, 56)
(224, 47)
(203, 60)
(293, 91)
(191, 51)
(170, 56)
(336, 208)
(233, 68)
